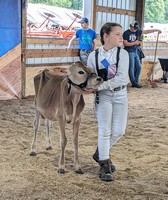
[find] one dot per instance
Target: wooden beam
(140, 10)
(54, 41)
(93, 18)
(23, 44)
(151, 52)
(115, 10)
(47, 53)
(153, 44)
(58, 41)
(10, 56)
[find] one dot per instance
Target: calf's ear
(60, 71)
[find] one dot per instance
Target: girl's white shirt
(121, 78)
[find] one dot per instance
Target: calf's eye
(81, 72)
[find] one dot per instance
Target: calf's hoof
(79, 171)
(61, 171)
(33, 153)
(49, 148)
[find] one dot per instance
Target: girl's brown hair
(107, 28)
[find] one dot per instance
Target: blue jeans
(84, 56)
(134, 67)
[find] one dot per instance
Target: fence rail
(44, 51)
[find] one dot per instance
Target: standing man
(86, 38)
(131, 44)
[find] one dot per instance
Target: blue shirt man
(86, 37)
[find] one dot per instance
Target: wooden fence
(42, 52)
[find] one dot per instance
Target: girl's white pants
(112, 112)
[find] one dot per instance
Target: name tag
(105, 63)
(111, 69)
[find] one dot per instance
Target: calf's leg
(36, 126)
(63, 143)
(75, 145)
(48, 139)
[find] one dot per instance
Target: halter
(82, 85)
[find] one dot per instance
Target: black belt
(87, 51)
(114, 90)
(119, 88)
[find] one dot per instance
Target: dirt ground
(141, 156)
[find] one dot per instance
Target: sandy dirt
(141, 156)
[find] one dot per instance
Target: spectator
(111, 101)
(131, 44)
(86, 38)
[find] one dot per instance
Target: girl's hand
(90, 90)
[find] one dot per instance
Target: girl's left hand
(90, 90)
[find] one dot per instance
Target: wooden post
(23, 48)
(140, 8)
(93, 18)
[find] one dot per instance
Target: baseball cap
(84, 19)
(135, 25)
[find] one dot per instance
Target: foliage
(156, 11)
(166, 11)
(73, 4)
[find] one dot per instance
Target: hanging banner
(10, 49)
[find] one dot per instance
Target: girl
(111, 62)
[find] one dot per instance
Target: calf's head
(80, 76)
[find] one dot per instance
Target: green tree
(155, 11)
(73, 4)
(166, 11)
